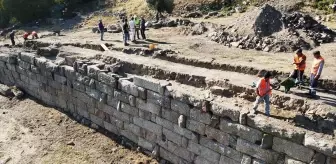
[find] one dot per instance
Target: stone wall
(177, 127)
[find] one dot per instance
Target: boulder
(148, 24)
(5, 90)
(95, 30)
(170, 23)
(157, 25)
(199, 29)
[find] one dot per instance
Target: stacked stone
(173, 125)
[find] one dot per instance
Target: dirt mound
(268, 29)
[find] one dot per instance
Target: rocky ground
(33, 133)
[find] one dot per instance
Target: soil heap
(268, 29)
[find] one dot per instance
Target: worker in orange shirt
(300, 66)
(264, 92)
(316, 72)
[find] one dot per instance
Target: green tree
(27, 10)
(161, 6)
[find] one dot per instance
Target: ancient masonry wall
(180, 129)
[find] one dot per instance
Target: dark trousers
(143, 35)
(297, 74)
(13, 41)
(137, 32)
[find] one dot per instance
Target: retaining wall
(177, 127)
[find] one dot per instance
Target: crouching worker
(25, 35)
(263, 91)
(316, 72)
(34, 35)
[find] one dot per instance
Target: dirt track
(33, 133)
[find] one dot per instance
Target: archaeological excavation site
(184, 95)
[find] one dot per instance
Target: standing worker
(143, 28)
(264, 92)
(316, 72)
(12, 36)
(300, 66)
(132, 29)
(137, 26)
(101, 29)
(125, 30)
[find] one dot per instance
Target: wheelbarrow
(276, 84)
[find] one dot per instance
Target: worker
(316, 72)
(300, 66)
(125, 29)
(25, 35)
(137, 26)
(12, 36)
(101, 29)
(34, 35)
(263, 91)
(143, 28)
(132, 29)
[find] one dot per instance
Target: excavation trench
(307, 111)
(172, 56)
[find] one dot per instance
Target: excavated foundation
(175, 115)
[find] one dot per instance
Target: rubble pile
(270, 30)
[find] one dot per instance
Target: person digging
(264, 92)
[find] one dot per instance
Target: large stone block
(12, 59)
(51, 67)
(23, 64)
(318, 159)
(180, 107)
(147, 106)
(82, 96)
(180, 151)
(171, 136)
(145, 115)
(197, 114)
(227, 110)
(133, 128)
(93, 93)
(169, 156)
(111, 101)
(122, 116)
(227, 160)
(3, 64)
(242, 131)
(145, 144)
(221, 148)
(276, 127)
(121, 96)
(331, 160)
(321, 143)
(246, 159)
(27, 57)
(292, 149)
(157, 129)
(158, 99)
(108, 79)
(128, 87)
(148, 84)
(256, 151)
(142, 93)
(218, 135)
(196, 126)
(204, 152)
(69, 72)
(127, 134)
(40, 62)
(97, 120)
(289, 160)
(184, 132)
(102, 87)
(165, 123)
(111, 128)
(170, 115)
(60, 79)
(93, 71)
(120, 124)
(201, 160)
(78, 86)
(129, 109)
